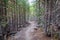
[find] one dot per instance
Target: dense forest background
(17, 14)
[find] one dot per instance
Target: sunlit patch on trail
(29, 30)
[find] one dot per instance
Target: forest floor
(30, 33)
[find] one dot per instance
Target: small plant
(56, 36)
(3, 21)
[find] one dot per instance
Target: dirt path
(30, 33)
